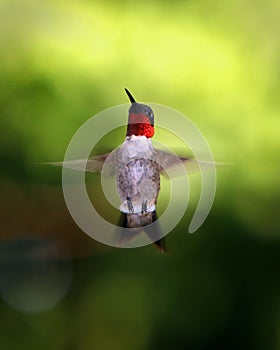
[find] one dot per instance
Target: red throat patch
(139, 125)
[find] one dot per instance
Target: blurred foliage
(218, 63)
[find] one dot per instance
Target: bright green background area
(216, 62)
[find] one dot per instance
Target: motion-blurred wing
(92, 164)
(170, 164)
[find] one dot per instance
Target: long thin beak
(131, 99)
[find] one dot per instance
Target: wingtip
(51, 163)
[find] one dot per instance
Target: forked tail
(140, 220)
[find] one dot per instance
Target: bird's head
(140, 119)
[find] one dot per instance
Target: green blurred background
(215, 61)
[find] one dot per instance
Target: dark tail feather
(160, 243)
(122, 220)
(139, 220)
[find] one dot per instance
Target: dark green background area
(216, 62)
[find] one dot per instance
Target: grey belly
(138, 182)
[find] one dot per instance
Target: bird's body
(138, 184)
(137, 175)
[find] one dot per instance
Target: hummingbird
(138, 167)
(138, 172)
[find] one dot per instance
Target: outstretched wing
(92, 164)
(170, 163)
